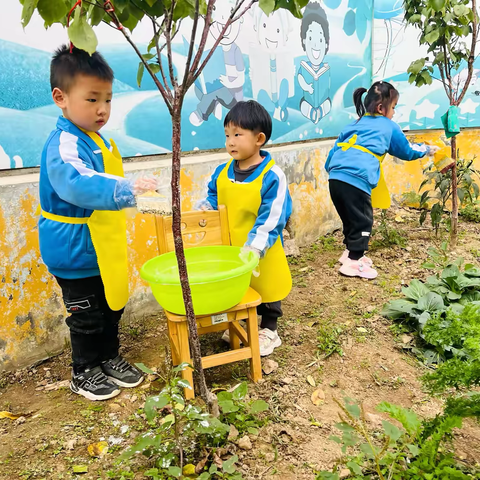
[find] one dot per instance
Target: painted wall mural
(303, 71)
(395, 47)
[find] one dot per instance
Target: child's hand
(245, 256)
(433, 149)
(144, 184)
(203, 205)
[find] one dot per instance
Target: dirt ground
(58, 426)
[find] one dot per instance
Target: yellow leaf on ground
(318, 397)
(399, 219)
(98, 449)
(311, 381)
(9, 415)
(189, 469)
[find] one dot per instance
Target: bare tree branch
(158, 84)
(168, 38)
(471, 58)
(159, 58)
(192, 43)
(231, 19)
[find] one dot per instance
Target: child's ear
(380, 109)
(58, 97)
(261, 139)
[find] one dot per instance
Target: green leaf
(415, 290)
(229, 465)
(354, 468)
(259, 406)
(154, 403)
(184, 365)
(416, 66)
(267, 6)
(391, 430)
(253, 431)
(431, 302)
(328, 476)
(96, 15)
(352, 407)
(240, 392)
(140, 72)
(53, 11)
(409, 420)
(81, 34)
(437, 5)
(428, 265)
(175, 471)
(228, 406)
(184, 383)
(397, 309)
(80, 469)
(144, 368)
(120, 5)
(27, 11)
(414, 449)
(432, 37)
(344, 427)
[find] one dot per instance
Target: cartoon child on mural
(314, 74)
(219, 88)
(272, 89)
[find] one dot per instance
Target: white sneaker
(268, 340)
(226, 333)
(366, 260)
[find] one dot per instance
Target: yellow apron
(380, 194)
(108, 230)
(243, 201)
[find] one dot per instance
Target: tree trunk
(454, 217)
(199, 374)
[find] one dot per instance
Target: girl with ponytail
(354, 166)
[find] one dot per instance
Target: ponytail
(357, 100)
(380, 93)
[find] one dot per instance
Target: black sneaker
(119, 371)
(94, 385)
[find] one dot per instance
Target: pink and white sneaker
(358, 268)
(366, 260)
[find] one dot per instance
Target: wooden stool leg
(182, 329)
(173, 338)
(255, 362)
(234, 340)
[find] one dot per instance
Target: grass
(329, 341)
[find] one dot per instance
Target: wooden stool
(202, 229)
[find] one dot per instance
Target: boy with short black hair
(82, 228)
(255, 191)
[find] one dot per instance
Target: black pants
(93, 325)
(270, 313)
(354, 206)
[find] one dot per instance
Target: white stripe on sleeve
(69, 154)
(263, 231)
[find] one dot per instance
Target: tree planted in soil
(449, 28)
(165, 16)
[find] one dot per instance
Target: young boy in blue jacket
(255, 191)
(356, 179)
(82, 228)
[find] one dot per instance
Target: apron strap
(352, 143)
(63, 219)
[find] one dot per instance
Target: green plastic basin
(218, 279)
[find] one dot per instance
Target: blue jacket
(380, 135)
(276, 206)
(73, 183)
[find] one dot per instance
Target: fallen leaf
(318, 397)
(399, 219)
(269, 366)
(244, 443)
(70, 444)
(233, 434)
(57, 385)
(98, 449)
(80, 469)
(217, 461)
(201, 465)
(189, 469)
(353, 293)
(311, 381)
(9, 415)
(362, 330)
(406, 338)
